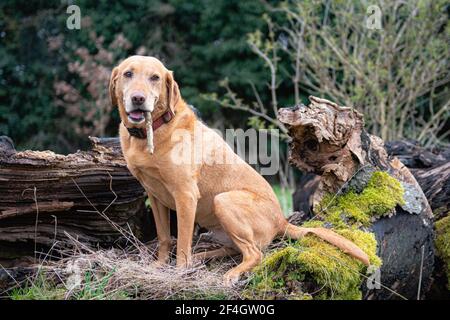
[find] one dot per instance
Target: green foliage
(443, 243)
(380, 197)
(96, 287)
(214, 47)
(284, 196)
(38, 289)
(93, 287)
(202, 41)
(327, 50)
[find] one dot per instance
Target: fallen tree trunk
(89, 195)
(330, 142)
(414, 156)
(431, 168)
(435, 183)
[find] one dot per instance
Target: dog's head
(142, 84)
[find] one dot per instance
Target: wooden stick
(148, 123)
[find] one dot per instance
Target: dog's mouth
(136, 116)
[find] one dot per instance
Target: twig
(420, 276)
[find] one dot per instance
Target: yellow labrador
(229, 198)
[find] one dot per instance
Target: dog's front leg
(161, 216)
(186, 206)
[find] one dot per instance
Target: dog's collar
(141, 133)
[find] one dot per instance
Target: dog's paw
(158, 264)
(230, 278)
(183, 264)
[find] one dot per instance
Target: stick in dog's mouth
(149, 126)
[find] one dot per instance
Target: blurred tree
(51, 77)
(26, 74)
(398, 76)
(214, 47)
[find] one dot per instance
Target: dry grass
(130, 273)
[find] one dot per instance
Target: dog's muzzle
(137, 106)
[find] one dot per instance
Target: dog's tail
(331, 237)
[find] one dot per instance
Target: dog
(229, 198)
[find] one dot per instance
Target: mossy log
(360, 186)
(89, 195)
(431, 168)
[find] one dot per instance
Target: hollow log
(329, 141)
(304, 192)
(89, 195)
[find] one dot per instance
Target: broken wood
(89, 195)
(329, 141)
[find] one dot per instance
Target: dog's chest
(155, 187)
(149, 177)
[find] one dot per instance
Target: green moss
(311, 268)
(312, 265)
(380, 197)
(443, 243)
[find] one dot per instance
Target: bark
(89, 195)
(414, 156)
(436, 184)
(431, 168)
(329, 140)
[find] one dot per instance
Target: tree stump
(89, 195)
(329, 141)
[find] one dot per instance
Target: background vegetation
(250, 56)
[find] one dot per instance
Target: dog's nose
(138, 99)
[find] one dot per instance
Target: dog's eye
(128, 74)
(154, 77)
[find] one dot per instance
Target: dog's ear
(112, 86)
(173, 92)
